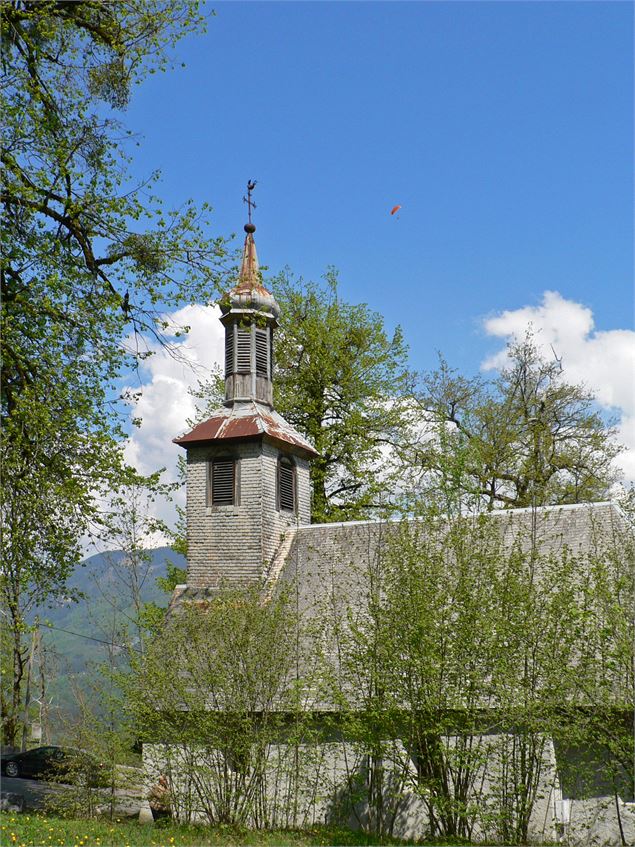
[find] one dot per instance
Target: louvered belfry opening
(229, 350)
(243, 356)
(286, 485)
(262, 351)
(222, 482)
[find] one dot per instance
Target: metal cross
(251, 184)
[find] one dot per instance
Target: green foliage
(341, 381)
(40, 829)
(175, 576)
(87, 259)
(464, 648)
(212, 690)
(523, 438)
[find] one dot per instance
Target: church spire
(249, 276)
(250, 315)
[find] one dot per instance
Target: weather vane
(251, 184)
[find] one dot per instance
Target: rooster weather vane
(251, 184)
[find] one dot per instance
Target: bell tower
(250, 315)
(248, 477)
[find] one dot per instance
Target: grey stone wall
(238, 543)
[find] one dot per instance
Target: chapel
(249, 523)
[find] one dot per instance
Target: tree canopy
(341, 379)
(89, 262)
(525, 437)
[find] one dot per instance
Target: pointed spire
(249, 276)
(249, 292)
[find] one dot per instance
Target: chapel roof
(330, 566)
(336, 559)
(242, 421)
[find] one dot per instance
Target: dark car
(56, 763)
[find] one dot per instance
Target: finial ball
(250, 227)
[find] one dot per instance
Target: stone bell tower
(247, 468)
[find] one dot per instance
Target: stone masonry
(237, 543)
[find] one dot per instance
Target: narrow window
(229, 350)
(244, 349)
(222, 482)
(270, 352)
(286, 485)
(262, 368)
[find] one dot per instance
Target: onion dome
(250, 293)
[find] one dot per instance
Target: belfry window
(286, 485)
(221, 482)
(262, 352)
(243, 359)
(229, 350)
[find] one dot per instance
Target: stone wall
(307, 784)
(237, 543)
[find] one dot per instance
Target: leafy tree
(87, 259)
(341, 380)
(523, 438)
(438, 612)
(213, 695)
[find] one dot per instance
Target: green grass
(35, 830)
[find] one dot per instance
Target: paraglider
(395, 209)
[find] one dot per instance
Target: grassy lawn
(33, 830)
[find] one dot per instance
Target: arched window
(286, 485)
(221, 481)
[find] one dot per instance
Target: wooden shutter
(244, 350)
(223, 482)
(286, 486)
(229, 350)
(261, 352)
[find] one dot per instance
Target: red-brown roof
(245, 421)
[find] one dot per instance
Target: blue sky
(505, 130)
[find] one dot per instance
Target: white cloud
(165, 405)
(603, 361)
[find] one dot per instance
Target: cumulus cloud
(603, 361)
(165, 404)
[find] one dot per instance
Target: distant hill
(104, 612)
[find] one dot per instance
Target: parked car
(54, 763)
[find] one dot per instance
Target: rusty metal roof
(245, 420)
